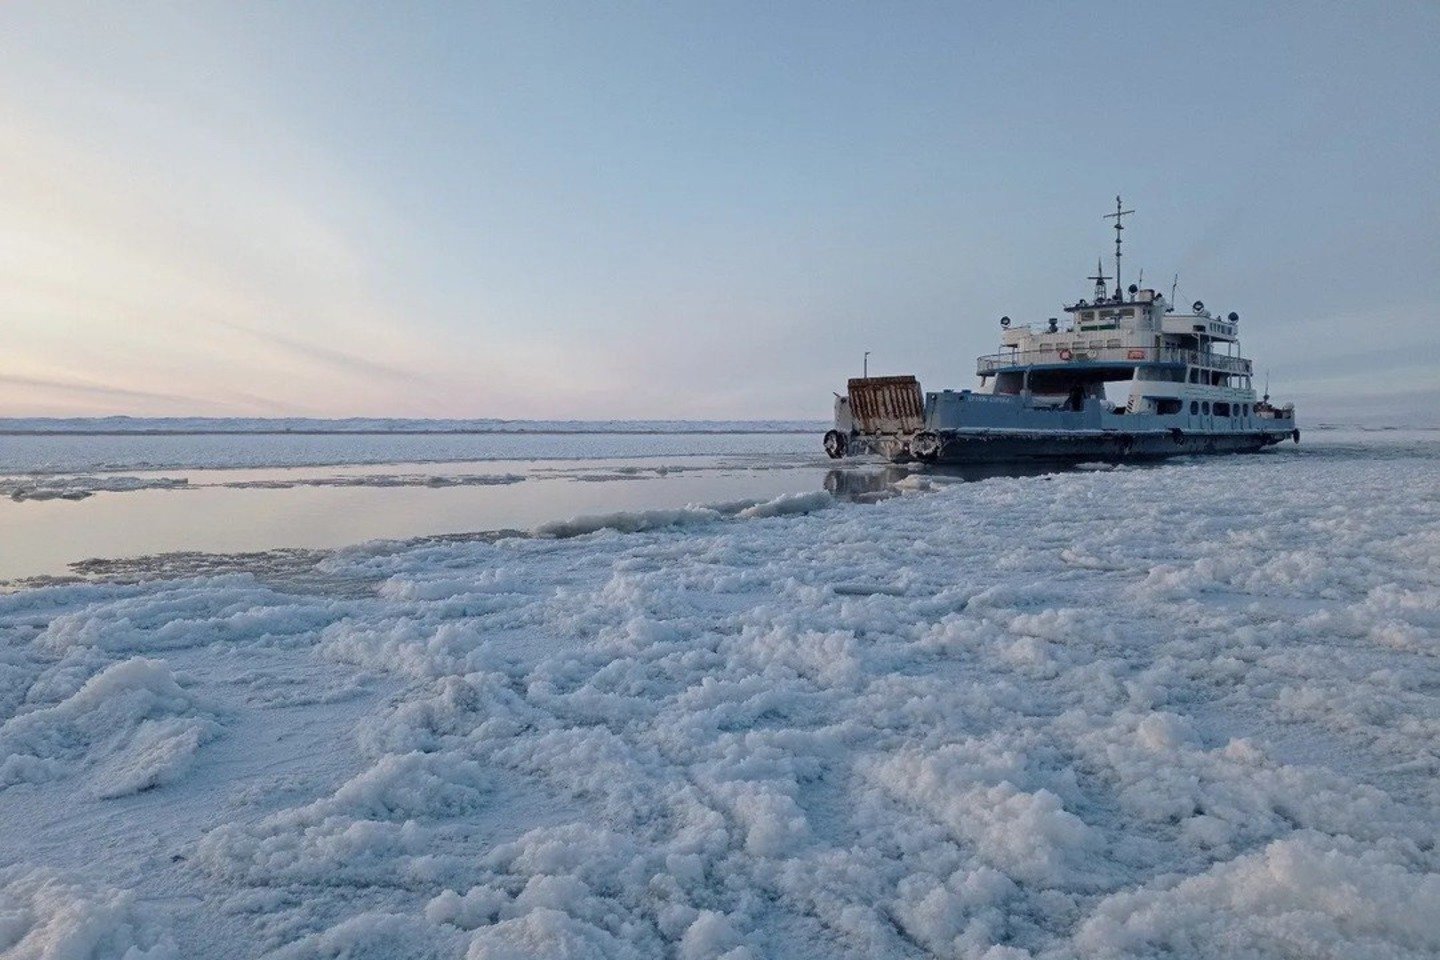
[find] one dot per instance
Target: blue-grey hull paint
(959, 447)
(961, 427)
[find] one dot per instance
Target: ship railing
(1010, 359)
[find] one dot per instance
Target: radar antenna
(1099, 279)
(1118, 227)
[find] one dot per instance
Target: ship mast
(1118, 227)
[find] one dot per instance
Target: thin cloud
(98, 390)
(336, 359)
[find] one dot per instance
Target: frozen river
(1187, 710)
(68, 499)
(72, 498)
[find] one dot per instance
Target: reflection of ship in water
(880, 482)
(865, 486)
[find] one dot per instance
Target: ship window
(1167, 404)
(1222, 409)
(1194, 407)
(1194, 375)
(1244, 409)
(1113, 344)
(1127, 312)
(1205, 408)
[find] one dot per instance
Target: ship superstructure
(1043, 396)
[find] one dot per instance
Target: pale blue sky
(597, 210)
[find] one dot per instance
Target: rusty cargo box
(887, 404)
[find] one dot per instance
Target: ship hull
(997, 446)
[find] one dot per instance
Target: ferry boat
(1042, 397)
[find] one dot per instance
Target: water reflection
(865, 485)
(873, 482)
(226, 512)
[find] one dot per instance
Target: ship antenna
(1118, 227)
(1266, 398)
(1173, 284)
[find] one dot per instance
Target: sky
(686, 210)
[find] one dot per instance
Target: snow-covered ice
(1183, 711)
(131, 724)
(44, 916)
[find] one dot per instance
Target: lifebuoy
(1066, 354)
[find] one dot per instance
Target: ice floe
(78, 488)
(131, 724)
(46, 916)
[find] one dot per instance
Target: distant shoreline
(117, 426)
(250, 431)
